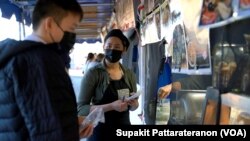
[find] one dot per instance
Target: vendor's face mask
(112, 55)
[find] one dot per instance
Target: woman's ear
(125, 49)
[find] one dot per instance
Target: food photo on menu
(216, 13)
(244, 4)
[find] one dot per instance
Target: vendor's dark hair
(57, 9)
(119, 34)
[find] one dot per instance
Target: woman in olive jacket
(107, 85)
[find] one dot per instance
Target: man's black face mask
(68, 41)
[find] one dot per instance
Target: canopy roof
(97, 14)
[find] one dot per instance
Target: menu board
(221, 12)
(189, 43)
(125, 14)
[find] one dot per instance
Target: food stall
(209, 51)
(200, 47)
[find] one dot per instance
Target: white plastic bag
(162, 112)
(134, 95)
(94, 117)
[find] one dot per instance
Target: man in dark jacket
(37, 100)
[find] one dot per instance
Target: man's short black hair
(57, 9)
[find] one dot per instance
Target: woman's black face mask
(112, 55)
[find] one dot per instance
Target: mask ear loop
(58, 44)
(59, 26)
(50, 33)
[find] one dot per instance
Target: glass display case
(231, 65)
(230, 74)
(235, 109)
(225, 109)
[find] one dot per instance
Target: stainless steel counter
(187, 108)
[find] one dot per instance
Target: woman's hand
(120, 105)
(133, 103)
(86, 132)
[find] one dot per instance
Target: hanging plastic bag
(162, 111)
(94, 117)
